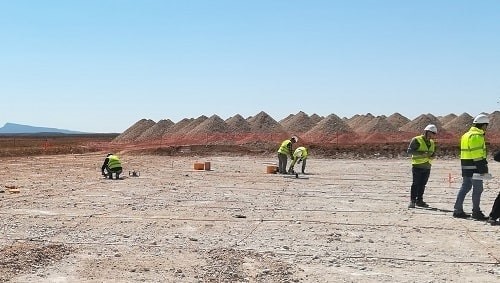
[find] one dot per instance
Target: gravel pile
(358, 121)
(238, 124)
(494, 122)
(191, 126)
(132, 133)
(156, 131)
(397, 120)
(214, 124)
(376, 125)
(262, 123)
(445, 119)
(178, 127)
(299, 123)
(331, 129)
(419, 124)
(331, 124)
(315, 118)
(459, 124)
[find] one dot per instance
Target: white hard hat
(431, 128)
(481, 119)
(295, 138)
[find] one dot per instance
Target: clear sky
(102, 65)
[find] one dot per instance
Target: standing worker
(473, 162)
(284, 152)
(111, 165)
(299, 155)
(422, 149)
(495, 210)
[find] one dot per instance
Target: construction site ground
(345, 221)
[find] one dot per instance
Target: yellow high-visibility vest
(114, 162)
(472, 145)
(423, 153)
(284, 147)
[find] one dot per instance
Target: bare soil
(345, 221)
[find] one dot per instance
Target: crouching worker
(111, 165)
(299, 155)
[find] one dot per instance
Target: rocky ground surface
(345, 221)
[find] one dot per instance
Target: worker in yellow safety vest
(422, 149)
(474, 167)
(284, 151)
(299, 155)
(112, 164)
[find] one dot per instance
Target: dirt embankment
(11, 146)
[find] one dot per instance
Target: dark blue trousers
(420, 178)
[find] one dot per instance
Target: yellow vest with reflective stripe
(423, 153)
(472, 145)
(114, 162)
(284, 147)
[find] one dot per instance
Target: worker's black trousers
(420, 178)
(495, 210)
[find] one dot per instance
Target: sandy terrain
(345, 222)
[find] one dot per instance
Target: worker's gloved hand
(300, 160)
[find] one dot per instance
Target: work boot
(478, 215)
(421, 203)
(493, 221)
(460, 214)
(412, 204)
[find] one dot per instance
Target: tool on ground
(134, 173)
(295, 176)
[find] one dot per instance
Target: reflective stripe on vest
(472, 145)
(423, 152)
(284, 147)
(114, 162)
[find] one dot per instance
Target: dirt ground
(345, 221)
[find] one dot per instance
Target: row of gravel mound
(306, 126)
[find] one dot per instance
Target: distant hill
(12, 128)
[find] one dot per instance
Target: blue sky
(102, 65)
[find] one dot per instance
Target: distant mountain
(12, 128)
